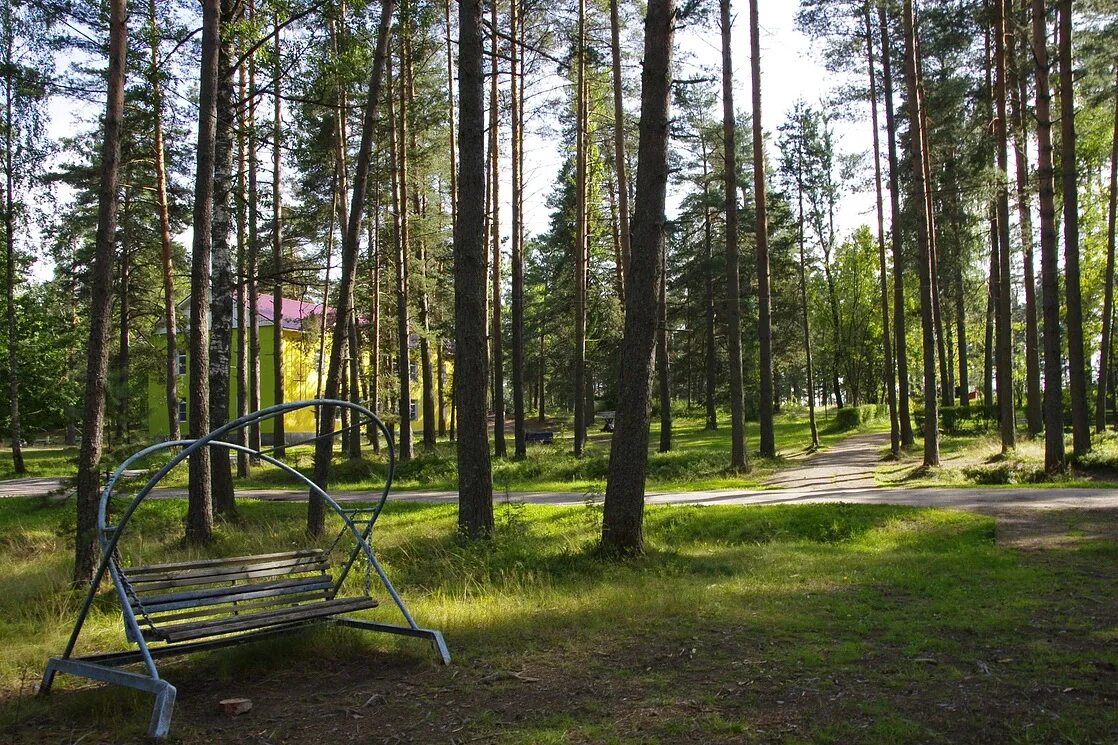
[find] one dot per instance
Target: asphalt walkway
(841, 473)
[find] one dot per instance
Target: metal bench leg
(164, 692)
(434, 635)
(161, 711)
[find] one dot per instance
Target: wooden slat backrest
(229, 587)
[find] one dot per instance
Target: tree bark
(619, 147)
(351, 243)
(1054, 455)
(662, 365)
(580, 248)
(738, 457)
(199, 516)
(1069, 170)
(242, 305)
(85, 547)
(516, 81)
(931, 407)
(279, 437)
(475, 479)
(253, 260)
(624, 501)
(10, 246)
(889, 376)
(403, 241)
(1108, 298)
(124, 346)
(764, 300)
(803, 290)
(500, 449)
(169, 311)
(1006, 409)
(711, 379)
(223, 281)
(899, 332)
(1017, 94)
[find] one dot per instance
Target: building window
(414, 410)
(182, 363)
(413, 371)
(182, 409)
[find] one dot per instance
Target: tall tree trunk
(991, 309)
(399, 137)
(199, 515)
(624, 500)
(375, 257)
(353, 450)
(764, 301)
(619, 147)
(450, 119)
(904, 412)
(1054, 455)
(10, 249)
(931, 408)
(253, 267)
(516, 82)
(1108, 299)
(123, 358)
(711, 379)
(85, 546)
(946, 392)
(738, 456)
(221, 304)
(1006, 409)
(351, 243)
(475, 479)
(279, 437)
(500, 449)
(1077, 363)
(803, 294)
(961, 333)
(1018, 74)
(242, 309)
(662, 368)
(172, 361)
(580, 414)
(886, 343)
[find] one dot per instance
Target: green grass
(810, 623)
(699, 459)
(41, 461)
(976, 460)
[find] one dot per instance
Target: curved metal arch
(109, 543)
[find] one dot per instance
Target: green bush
(852, 417)
(956, 420)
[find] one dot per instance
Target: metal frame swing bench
(188, 606)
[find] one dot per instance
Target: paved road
(842, 473)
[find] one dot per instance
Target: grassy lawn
(794, 624)
(41, 461)
(977, 460)
(698, 460)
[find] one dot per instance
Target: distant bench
(544, 438)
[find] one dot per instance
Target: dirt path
(849, 463)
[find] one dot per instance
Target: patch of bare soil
(1039, 529)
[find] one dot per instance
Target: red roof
(294, 312)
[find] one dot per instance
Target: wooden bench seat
(188, 600)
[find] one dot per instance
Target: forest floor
(776, 623)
